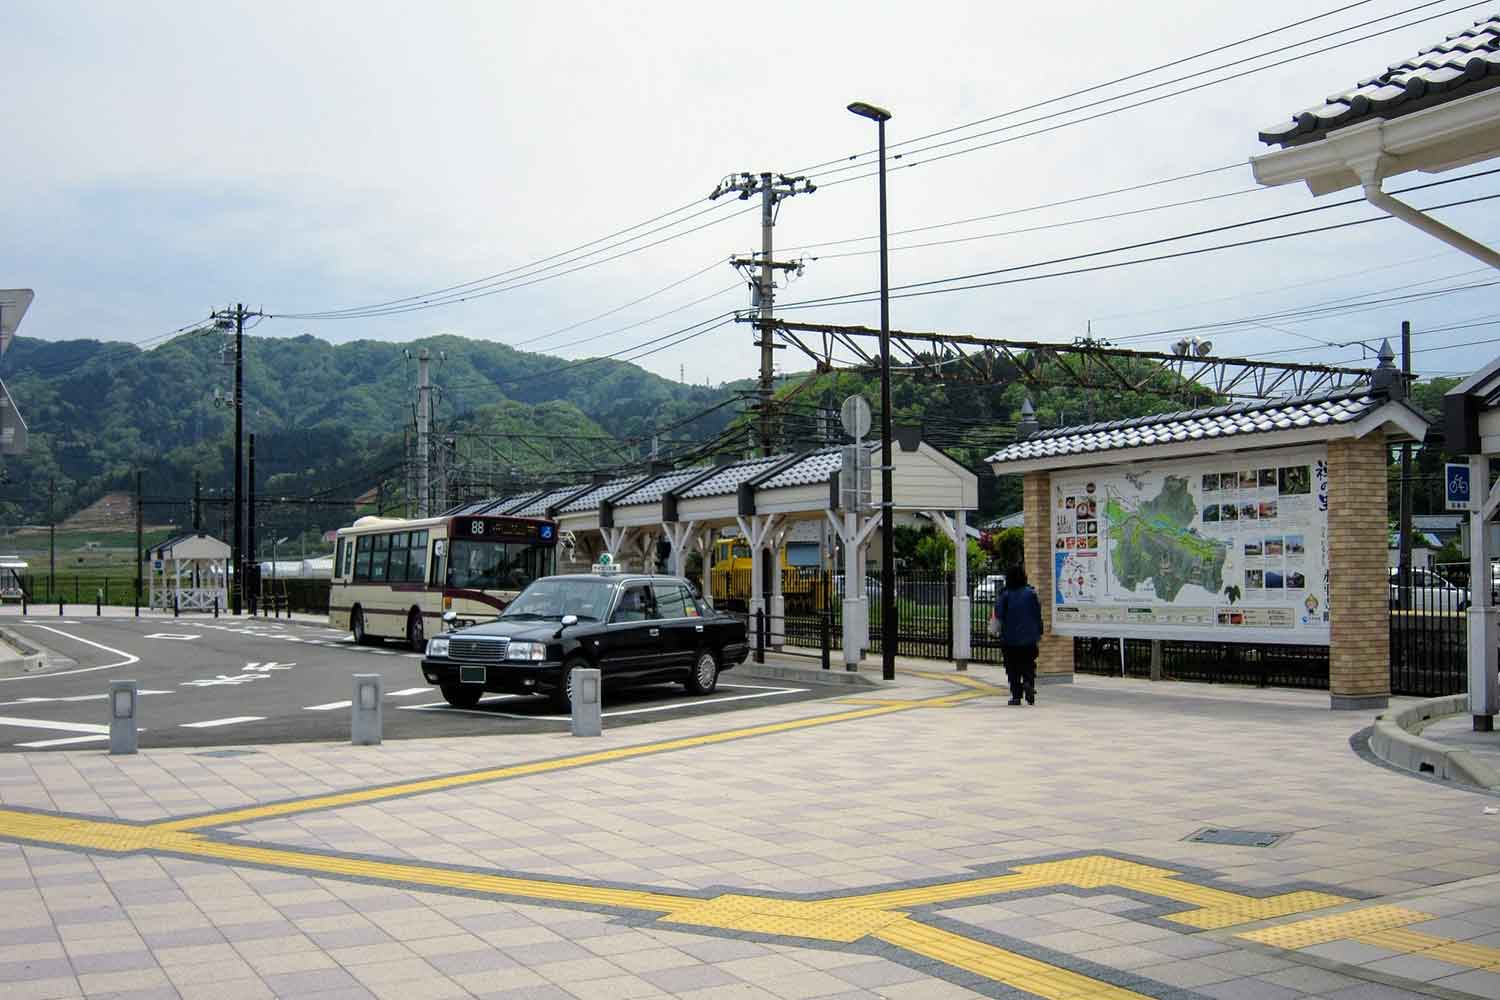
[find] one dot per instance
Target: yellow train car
(803, 581)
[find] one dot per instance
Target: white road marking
(328, 707)
(223, 680)
(172, 635)
(127, 661)
(210, 723)
(73, 697)
(65, 727)
(407, 692)
(64, 741)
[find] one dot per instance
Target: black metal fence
(1428, 634)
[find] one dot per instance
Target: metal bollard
(122, 701)
(175, 612)
(366, 713)
(98, 603)
(760, 636)
(24, 612)
(59, 607)
(588, 706)
(216, 605)
(825, 623)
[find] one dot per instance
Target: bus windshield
(482, 565)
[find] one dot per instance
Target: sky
(166, 159)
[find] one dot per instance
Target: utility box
(366, 713)
(588, 702)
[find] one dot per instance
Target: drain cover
(226, 753)
(1236, 838)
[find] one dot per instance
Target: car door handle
(697, 628)
(655, 632)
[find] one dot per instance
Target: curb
(31, 659)
(806, 675)
(1394, 740)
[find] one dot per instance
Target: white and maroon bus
(394, 578)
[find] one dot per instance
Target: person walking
(1018, 614)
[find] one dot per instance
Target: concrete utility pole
(234, 319)
(252, 567)
(424, 430)
(197, 502)
(1404, 510)
(140, 547)
(51, 537)
(772, 188)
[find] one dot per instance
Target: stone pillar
(1054, 661)
(1359, 650)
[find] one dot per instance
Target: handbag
(996, 625)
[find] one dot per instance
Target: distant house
(1444, 527)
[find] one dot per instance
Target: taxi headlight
(533, 652)
(437, 647)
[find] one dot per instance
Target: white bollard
(588, 705)
(122, 701)
(366, 713)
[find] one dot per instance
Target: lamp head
(870, 111)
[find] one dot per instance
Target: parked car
(1427, 592)
(989, 588)
(636, 629)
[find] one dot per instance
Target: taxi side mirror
(569, 620)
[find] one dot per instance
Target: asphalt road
(221, 682)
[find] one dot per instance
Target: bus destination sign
(505, 529)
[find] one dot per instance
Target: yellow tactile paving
(361, 796)
(1384, 927)
(823, 920)
(1007, 967)
(1321, 930)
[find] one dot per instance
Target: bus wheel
(414, 635)
(357, 626)
(462, 695)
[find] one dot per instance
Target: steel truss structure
(1081, 365)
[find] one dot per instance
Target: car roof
(619, 577)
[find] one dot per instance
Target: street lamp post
(887, 528)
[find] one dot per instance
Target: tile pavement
(1111, 766)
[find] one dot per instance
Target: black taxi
(635, 628)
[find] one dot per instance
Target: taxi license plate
(471, 675)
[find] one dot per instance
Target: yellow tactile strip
(1383, 927)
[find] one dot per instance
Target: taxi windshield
(557, 596)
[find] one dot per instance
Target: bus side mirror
(450, 617)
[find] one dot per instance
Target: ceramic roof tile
(653, 491)
(728, 479)
(1257, 417)
(590, 500)
(815, 468)
(1464, 63)
(538, 507)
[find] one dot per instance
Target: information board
(1231, 549)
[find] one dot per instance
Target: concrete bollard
(122, 702)
(366, 713)
(588, 705)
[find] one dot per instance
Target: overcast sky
(163, 159)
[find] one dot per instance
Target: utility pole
(424, 429)
(197, 502)
(252, 566)
(140, 549)
(772, 188)
(51, 537)
(234, 319)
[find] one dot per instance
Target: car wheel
(415, 637)
(562, 698)
(705, 675)
(357, 626)
(462, 695)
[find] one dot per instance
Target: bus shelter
(188, 572)
(1258, 522)
(638, 519)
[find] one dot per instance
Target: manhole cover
(1236, 838)
(226, 753)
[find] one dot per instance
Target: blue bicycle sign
(1457, 486)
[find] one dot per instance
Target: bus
(395, 578)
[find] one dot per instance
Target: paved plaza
(917, 840)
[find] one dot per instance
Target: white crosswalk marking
(407, 692)
(66, 727)
(210, 723)
(64, 742)
(329, 707)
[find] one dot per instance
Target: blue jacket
(1020, 614)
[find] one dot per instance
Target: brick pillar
(1054, 661)
(1359, 651)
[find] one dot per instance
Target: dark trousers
(1020, 669)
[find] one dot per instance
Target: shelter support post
(1484, 685)
(680, 536)
(956, 530)
(856, 605)
(758, 529)
(1359, 648)
(1054, 662)
(777, 628)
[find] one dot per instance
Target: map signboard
(1230, 548)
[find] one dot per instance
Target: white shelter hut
(189, 572)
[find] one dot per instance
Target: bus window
(381, 557)
(338, 560)
(416, 563)
(364, 551)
